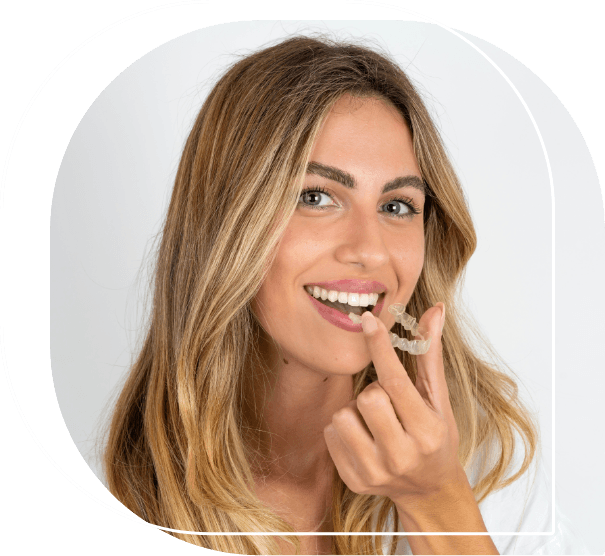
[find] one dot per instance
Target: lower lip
(340, 319)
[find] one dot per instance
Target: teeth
(352, 299)
(355, 318)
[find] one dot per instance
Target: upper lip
(352, 286)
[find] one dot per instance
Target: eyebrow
(346, 179)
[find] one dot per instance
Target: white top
(525, 506)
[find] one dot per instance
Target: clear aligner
(355, 318)
(414, 347)
(408, 321)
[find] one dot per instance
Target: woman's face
(357, 229)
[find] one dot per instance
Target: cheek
(408, 256)
(276, 299)
(417, 261)
(296, 252)
(303, 248)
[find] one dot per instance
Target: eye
(396, 208)
(401, 208)
(316, 197)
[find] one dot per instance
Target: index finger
(407, 401)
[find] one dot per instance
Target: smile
(335, 305)
(346, 302)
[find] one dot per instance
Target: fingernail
(368, 322)
(442, 314)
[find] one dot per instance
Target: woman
(257, 403)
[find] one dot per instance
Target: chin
(344, 358)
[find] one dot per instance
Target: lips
(338, 318)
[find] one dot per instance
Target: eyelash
(414, 209)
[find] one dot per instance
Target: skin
(396, 439)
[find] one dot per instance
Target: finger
(379, 415)
(344, 462)
(407, 402)
(430, 380)
(353, 431)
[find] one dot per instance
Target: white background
(116, 177)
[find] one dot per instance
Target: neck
(295, 403)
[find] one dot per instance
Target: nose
(362, 244)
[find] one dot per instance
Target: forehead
(366, 136)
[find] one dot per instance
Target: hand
(398, 439)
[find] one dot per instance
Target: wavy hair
(179, 451)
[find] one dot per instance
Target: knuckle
(372, 397)
(395, 386)
(375, 480)
(433, 441)
(357, 486)
(415, 462)
(427, 448)
(395, 465)
(342, 417)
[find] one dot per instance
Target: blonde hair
(179, 451)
